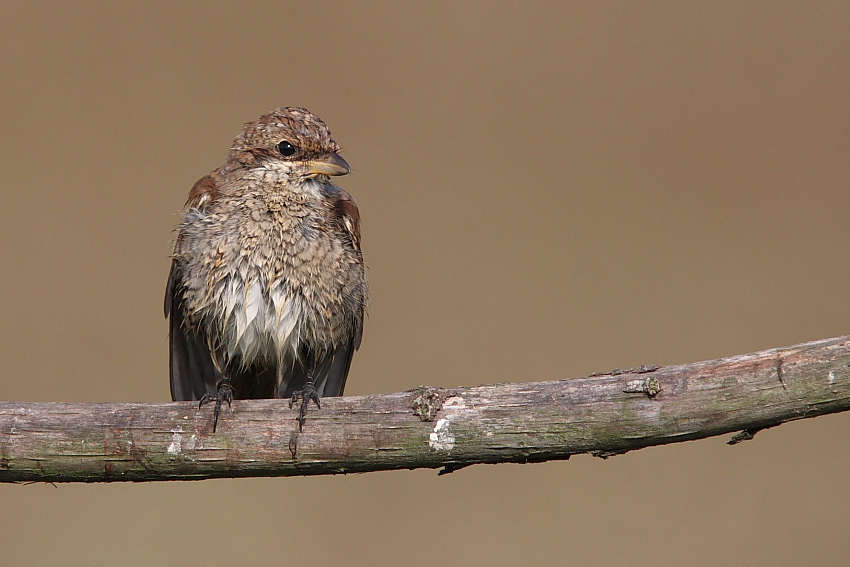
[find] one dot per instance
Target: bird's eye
(286, 149)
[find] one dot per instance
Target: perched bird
(267, 289)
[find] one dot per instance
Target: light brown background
(546, 190)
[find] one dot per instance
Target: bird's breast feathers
(277, 284)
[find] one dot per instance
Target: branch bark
(603, 414)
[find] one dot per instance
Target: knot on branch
(426, 402)
(649, 386)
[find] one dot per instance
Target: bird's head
(290, 141)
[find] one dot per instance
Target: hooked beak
(332, 164)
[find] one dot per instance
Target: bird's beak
(332, 164)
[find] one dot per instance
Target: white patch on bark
(831, 378)
(441, 439)
(175, 446)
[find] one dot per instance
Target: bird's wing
(204, 191)
(346, 215)
(331, 367)
(331, 381)
(193, 373)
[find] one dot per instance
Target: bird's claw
(224, 393)
(308, 393)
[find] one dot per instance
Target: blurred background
(547, 191)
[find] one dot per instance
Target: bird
(267, 291)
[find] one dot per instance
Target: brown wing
(205, 190)
(347, 215)
(192, 371)
(332, 368)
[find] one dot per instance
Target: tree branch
(603, 414)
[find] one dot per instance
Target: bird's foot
(224, 393)
(308, 393)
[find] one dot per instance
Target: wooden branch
(603, 414)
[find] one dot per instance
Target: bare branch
(603, 414)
